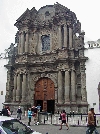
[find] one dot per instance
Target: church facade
(47, 66)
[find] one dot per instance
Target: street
(53, 129)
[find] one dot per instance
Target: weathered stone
(48, 51)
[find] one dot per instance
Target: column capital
(23, 32)
(65, 25)
(27, 31)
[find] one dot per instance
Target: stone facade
(50, 44)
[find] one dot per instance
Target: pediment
(27, 16)
(24, 15)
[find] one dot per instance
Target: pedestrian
(19, 112)
(96, 132)
(35, 114)
(8, 108)
(5, 111)
(38, 107)
(63, 116)
(29, 116)
(91, 122)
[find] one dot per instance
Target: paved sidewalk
(54, 129)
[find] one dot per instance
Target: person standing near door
(38, 107)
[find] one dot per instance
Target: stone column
(59, 37)
(51, 41)
(70, 37)
(15, 88)
(18, 88)
(27, 41)
(73, 86)
(83, 82)
(22, 42)
(19, 44)
(39, 44)
(24, 88)
(65, 35)
(60, 88)
(67, 86)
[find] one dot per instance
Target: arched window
(45, 42)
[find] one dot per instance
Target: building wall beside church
(93, 76)
(3, 80)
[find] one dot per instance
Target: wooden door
(44, 90)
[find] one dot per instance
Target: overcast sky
(87, 12)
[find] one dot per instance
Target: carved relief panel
(33, 42)
(54, 40)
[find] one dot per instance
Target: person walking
(19, 113)
(91, 122)
(96, 132)
(29, 116)
(63, 119)
(35, 114)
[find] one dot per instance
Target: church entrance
(45, 94)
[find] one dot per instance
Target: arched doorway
(45, 94)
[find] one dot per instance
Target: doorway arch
(45, 94)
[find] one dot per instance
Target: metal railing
(44, 116)
(78, 119)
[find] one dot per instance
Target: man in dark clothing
(4, 111)
(19, 113)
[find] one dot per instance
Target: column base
(17, 98)
(84, 103)
(73, 103)
(67, 103)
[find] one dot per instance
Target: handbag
(60, 118)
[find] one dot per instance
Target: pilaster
(15, 87)
(19, 44)
(18, 95)
(83, 82)
(67, 87)
(65, 35)
(27, 41)
(60, 86)
(24, 88)
(22, 42)
(70, 37)
(73, 86)
(59, 37)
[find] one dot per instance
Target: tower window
(47, 13)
